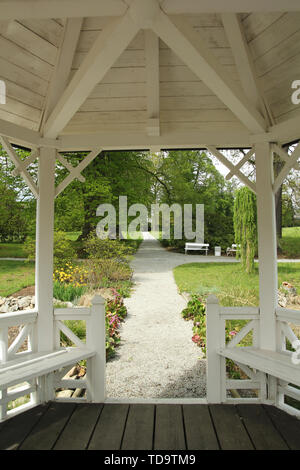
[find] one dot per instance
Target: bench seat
(271, 362)
(197, 247)
(38, 364)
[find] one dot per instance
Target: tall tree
(245, 226)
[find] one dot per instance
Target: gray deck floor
(68, 426)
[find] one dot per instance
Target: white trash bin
(217, 251)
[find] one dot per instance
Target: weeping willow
(245, 227)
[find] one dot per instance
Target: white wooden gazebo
(150, 74)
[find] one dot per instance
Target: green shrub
(63, 250)
(98, 248)
(101, 271)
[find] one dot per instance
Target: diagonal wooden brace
(21, 167)
(232, 168)
(76, 172)
(291, 161)
(241, 163)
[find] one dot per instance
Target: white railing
(267, 387)
(41, 387)
(285, 319)
(94, 319)
(26, 321)
(220, 387)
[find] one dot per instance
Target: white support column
(44, 249)
(267, 246)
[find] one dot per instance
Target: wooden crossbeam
(31, 9)
(152, 74)
(231, 167)
(291, 162)
(179, 35)
(21, 167)
(19, 134)
(109, 45)
(241, 163)
(181, 7)
(75, 172)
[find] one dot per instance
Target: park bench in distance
(196, 247)
(233, 249)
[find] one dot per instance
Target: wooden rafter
(291, 161)
(21, 166)
(109, 45)
(232, 168)
(179, 35)
(244, 62)
(75, 172)
(152, 74)
(63, 65)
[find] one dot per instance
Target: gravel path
(156, 357)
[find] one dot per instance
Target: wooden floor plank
(14, 431)
(199, 430)
(229, 428)
(77, 433)
(109, 430)
(287, 425)
(169, 431)
(139, 428)
(260, 428)
(46, 432)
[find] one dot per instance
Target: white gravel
(157, 357)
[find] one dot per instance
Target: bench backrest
(200, 245)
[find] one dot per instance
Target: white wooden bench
(39, 374)
(233, 249)
(196, 247)
(272, 374)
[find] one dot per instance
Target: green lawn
(12, 250)
(290, 242)
(14, 276)
(229, 281)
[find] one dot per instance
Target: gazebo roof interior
(150, 95)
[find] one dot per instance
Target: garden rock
(14, 304)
